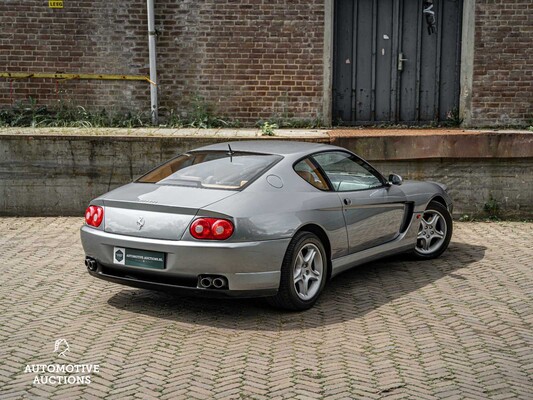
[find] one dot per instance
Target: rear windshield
(211, 170)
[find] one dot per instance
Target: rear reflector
(211, 229)
(94, 215)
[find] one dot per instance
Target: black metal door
(388, 68)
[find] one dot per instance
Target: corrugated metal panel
(369, 83)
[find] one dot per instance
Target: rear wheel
(434, 232)
(303, 273)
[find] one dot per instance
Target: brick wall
(250, 60)
(503, 63)
(85, 37)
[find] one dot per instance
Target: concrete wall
(477, 166)
(472, 183)
(59, 175)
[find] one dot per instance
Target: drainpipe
(153, 65)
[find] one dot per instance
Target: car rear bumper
(146, 282)
(251, 268)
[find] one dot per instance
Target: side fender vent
(409, 208)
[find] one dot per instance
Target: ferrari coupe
(274, 219)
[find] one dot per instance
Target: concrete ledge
(190, 133)
(58, 171)
(373, 144)
(425, 144)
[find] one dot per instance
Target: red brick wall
(84, 37)
(503, 63)
(249, 59)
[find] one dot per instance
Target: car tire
(434, 232)
(303, 273)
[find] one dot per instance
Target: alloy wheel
(308, 271)
(431, 233)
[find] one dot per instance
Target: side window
(309, 173)
(345, 172)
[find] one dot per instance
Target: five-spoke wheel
(308, 271)
(303, 273)
(434, 232)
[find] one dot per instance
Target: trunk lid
(155, 211)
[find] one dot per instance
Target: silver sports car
(275, 219)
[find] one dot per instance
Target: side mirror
(395, 179)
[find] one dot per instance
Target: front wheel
(303, 273)
(434, 232)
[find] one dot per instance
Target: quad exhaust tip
(206, 282)
(218, 283)
(212, 282)
(91, 264)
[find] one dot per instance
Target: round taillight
(94, 215)
(211, 229)
(201, 229)
(221, 229)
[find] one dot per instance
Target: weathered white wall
(59, 175)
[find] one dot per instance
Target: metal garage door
(388, 68)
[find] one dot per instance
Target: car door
(373, 210)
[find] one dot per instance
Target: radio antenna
(230, 153)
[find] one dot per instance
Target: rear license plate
(138, 258)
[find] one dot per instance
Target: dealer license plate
(138, 258)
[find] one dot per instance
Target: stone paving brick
(455, 327)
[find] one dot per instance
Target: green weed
(29, 113)
(492, 209)
(267, 129)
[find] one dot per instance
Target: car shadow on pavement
(348, 296)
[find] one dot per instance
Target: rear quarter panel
(264, 212)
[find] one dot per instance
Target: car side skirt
(404, 242)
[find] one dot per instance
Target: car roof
(279, 147)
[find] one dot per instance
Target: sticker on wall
(348, 61)
(55, 4)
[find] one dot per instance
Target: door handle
(400, 61)
(347, 202)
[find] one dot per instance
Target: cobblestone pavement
(456, 327)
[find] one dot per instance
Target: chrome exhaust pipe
(219, 283)
(206, 282)
(91, 264)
